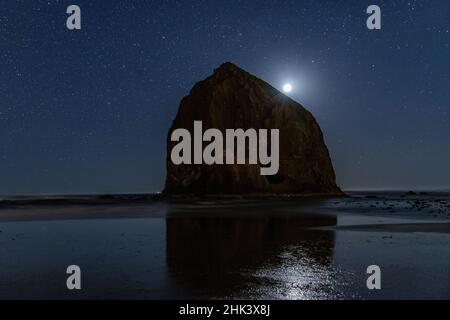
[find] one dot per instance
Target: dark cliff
(232, 98)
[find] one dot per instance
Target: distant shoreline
(62, 200)
(55, 200)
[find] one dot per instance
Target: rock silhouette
(232, 98)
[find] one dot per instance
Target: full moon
(287, 88)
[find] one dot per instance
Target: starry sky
(87, 111)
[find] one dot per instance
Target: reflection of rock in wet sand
(217, 251)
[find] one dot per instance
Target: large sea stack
(232, 98)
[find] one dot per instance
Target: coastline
(62, 200)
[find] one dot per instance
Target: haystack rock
(230, 99)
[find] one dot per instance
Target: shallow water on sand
(224, 249)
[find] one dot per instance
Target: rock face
(232, 98)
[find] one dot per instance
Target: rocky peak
(232, 98)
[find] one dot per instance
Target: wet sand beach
(150, 248)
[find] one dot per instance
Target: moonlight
(287, 88)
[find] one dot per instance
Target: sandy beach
(148, 248)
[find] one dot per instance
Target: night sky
(88, 111)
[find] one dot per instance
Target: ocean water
(225, 249)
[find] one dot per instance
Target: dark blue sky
(88, 111)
